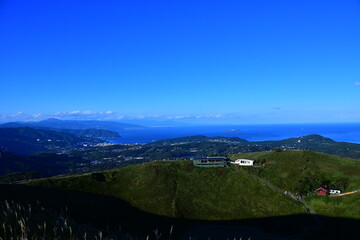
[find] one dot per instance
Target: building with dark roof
(216, 161)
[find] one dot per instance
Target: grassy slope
(178, 189)
(288, 169)
(345, 206)
(291, 170)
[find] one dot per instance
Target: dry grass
(27, 222)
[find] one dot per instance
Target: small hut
(322, 191)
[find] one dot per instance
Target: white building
(334, 191)
(244, 162)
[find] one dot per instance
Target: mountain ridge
(312, 142)
(26, 140)
(73, 124)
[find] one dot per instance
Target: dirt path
(295, 198)
(347, 193)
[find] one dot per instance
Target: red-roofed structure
(322, 191)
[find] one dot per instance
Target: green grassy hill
(178, 189)
(301, 172)
(344, 207)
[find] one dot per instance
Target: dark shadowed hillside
(45, 163)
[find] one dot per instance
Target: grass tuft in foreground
(22, 222)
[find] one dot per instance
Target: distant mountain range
(26, 140)
(94, 157)
(89, 132)
(197, 139)
(73, 124)
(230, 145)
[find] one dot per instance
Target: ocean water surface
(349, 132)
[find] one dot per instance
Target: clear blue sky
(252, 61)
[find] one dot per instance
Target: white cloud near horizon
(86, 112)
(36, 115)
(178, 117)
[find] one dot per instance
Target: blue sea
(349, 132)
